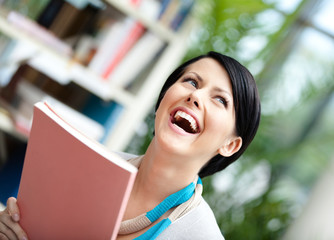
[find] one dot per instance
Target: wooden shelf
(74, 71)
(62, 68)
(12, 31)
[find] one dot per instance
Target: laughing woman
(207, 114)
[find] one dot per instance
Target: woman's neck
(161, 174)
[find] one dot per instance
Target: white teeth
(189, 118)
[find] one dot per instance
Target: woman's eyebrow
(197, 76)
(216, 89)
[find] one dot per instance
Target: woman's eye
(222, 101)
(192, 82)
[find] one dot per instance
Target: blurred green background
(289, 48)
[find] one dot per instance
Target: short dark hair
(246, 103)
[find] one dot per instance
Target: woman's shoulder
(199, 223)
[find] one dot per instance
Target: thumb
(13, 209)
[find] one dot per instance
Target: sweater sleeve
(198, 224)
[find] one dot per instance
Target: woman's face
(196, 117)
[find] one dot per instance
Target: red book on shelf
(71, 187)
(135, 2)
(135, 33)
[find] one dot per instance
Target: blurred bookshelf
(106, 60)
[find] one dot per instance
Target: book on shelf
(168, 11)
(135, 3)
(181, 14)
(117, 110)
(111, 36)
(117, 43)
(173, 12)
(65, 19)
(49, 13)
(106, 113)
(84, 50)
(163, 7)
(120, 40)
(133, 35)
(71, 186)
(38, 32)
(7, 66)
(137, 59)
(62, 23)
(5, 42)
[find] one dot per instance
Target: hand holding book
(9, 221)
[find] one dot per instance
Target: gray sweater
(198, 224)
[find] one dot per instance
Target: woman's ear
(231, 147)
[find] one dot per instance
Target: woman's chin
(171, 144)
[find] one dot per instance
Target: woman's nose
(195, 102)
(194, 99)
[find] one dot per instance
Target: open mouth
(186, 122)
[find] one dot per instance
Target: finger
(13, 209)
(5, 231)
(3, 236)
(12, 229)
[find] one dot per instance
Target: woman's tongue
(184, 124)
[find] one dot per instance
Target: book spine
(49, 13)
(62, 23)
(110, 38)
(170, 12)
(134, 34)
(105, 113)
(38, 32)
(174, 12)
(181, 14)
(6, 47)
(163, 8)
(145, 50)
(135, 3)
(111, 121)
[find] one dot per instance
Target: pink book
(71, 187)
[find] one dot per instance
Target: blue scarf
(184, 200)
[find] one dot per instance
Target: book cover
(71, 186)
